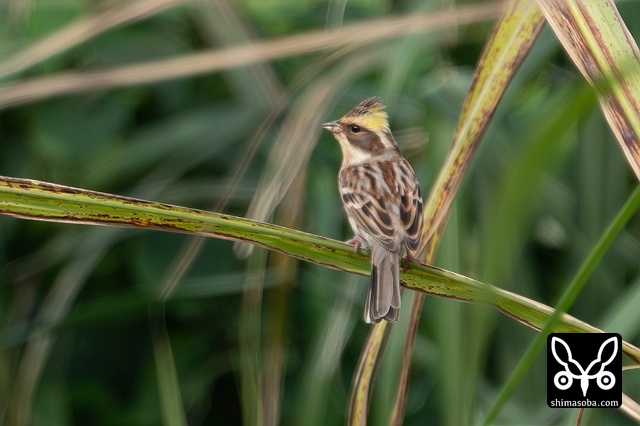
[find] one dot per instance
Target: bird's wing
(388, 208)
(410, 206)
(371, 216)
(383, 207)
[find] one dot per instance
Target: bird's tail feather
(383, 298)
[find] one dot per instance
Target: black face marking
(364, 139)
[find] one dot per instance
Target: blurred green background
(84, 336)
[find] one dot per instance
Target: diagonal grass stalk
(29, 199)
(628, 210)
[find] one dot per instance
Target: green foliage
(111, 326)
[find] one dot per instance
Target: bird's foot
(409, 258)
(355, 242)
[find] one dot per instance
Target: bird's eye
(355, 128)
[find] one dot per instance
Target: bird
(381, 197)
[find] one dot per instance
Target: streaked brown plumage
(381, 196)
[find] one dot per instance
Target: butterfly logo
(564, 379)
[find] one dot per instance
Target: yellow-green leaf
(599, 43)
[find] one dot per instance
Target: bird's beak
(332, 126)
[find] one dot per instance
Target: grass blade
(30, 199)
(512, 39)
(359, 398)
(568, 297)
(507, 47)
(30, 90)
(168, 385)
(83, 30)
(599, 43)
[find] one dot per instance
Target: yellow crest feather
(368, 113)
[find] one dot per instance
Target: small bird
(381, 196)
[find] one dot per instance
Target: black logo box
(584, 370)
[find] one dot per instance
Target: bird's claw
(409, 258)
(355, 242)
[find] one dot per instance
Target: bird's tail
(383, 298)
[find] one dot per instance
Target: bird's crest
(368, 113)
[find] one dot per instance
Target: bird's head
(364, 132)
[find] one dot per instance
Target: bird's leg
(356, 243)
(409, 258)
